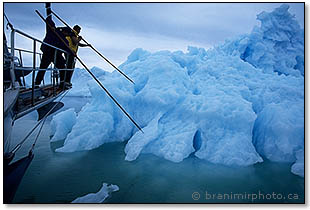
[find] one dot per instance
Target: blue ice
(234, 104)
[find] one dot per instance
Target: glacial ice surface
(62, 124)
(80, 81)
(233, 104)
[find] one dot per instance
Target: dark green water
(62, 177)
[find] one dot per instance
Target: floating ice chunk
(298, 167)
(98, 197)
(62, 124)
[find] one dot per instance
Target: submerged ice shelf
(234, 104)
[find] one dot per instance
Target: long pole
(96, 50)
(94, 77)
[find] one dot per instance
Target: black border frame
(305, 99)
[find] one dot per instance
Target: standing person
(73, 39)
(49, 52)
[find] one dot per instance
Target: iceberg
(98, 197)
(81, 78)
(277, 45)
(234, 104)
(62, 124)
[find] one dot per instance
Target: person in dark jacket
(48, 52)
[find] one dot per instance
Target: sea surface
(54, 177)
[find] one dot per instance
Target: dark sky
(116, 29)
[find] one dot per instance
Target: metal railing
(20, 60)
(33, 68)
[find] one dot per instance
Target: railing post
(20, 57)
(21, 63)
(12, 72)
(33, 72)
(54, 71)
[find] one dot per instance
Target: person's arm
(49, 17)
(84, 45)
